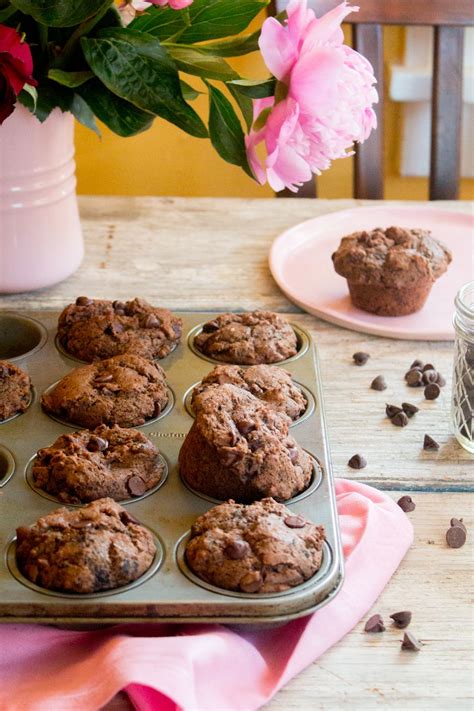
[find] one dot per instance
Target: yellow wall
(166, 161)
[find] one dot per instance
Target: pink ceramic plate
(300, 261)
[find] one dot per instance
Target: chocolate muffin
(269, 383)
(96, 547)
(247, 339)
(15, 390)
(259, 548)
(239, 448)
(390, 271)
(106, 462)
(125, 390)
(93, 329)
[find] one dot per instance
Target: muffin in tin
(269, 383)
(239, 448)
(94, 329)
(258, 548)
(125, 390)
(15, 390)
(390, 271)
(247, 339)
(97, 547)
(112, 462)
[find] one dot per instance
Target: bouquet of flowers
(128, 64)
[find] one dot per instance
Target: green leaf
(50, 96)
(31, 90)
(212, 19)
(233, 47)
(245, 105)
(225, 130)
(70, 79)
(83, 113)
(135, 67)
(161, 22)
(192, 60)
(255, 89)
(60, 13)
(189, 92)
(120, 116)
(6, 13)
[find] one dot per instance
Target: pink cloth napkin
(204, 667)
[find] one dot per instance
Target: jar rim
(464, 300)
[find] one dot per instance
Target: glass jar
(463, 376)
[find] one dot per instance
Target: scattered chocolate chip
(400, 419)
(378, 383)
(97, 444)
(360, 358)
(429, 376)
(392, 410)
(83, 301)
(401, 619)
(458, 522)
(417, 364)
(152, 321)
(294, 522)
(428, 366)
(430, 444)
(374, 624)
(440, 380)
(357, 461)
(411, 643)
(432, 391)
(136, 486)
(456, 536)
(103, 378)
(406, 504)
(430, 542)
(409, 409)
(252, 582)
(414, 378)
(236, 550)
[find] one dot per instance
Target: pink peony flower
(328, 95)
(129, 8)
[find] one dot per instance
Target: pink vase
(40, 233)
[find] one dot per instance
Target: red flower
(16, 67)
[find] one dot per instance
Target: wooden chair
(448, 17)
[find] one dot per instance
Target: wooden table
(212, 254)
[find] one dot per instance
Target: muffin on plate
(112, 462)
(269, 383)
(259, 548)
(125, 390)
(247, 339)
(15, 390)
(97, 547)
(390, 271)
(93, 329)
(239, 448)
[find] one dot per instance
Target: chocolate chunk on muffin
(106, 462)
(96, 547)
(15, 390)
(239, 448)
(269, 383)
(93, 329)
(260, 548)
(390, 271)
(125, 390)
(247, 339)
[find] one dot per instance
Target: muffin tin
(168, 591)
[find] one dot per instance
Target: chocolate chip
(210, 326)
(103, 378)
(156, 409)
(97, 444)
(114, 328)
(81, 524)
(411, 643)
(294, 522)
(378, 383)
(136, 486)
(429, 376)
(127, 518)
(458, 522)
(406, 504)
(244, 426)
(430, 444)
(392, 410)
(83, 301)
(118, 306)
(440, 380)
(374, 624)
(456, 536)
(400, 419)
(414, 378)
(428, 366)
(417, 364)
(360, 358)
(432, 391)
(4, 371)
(401, 619)
(236, 550)
(152, 321)
(252, 582)
(357, 461)
(294, 454)
(409, 409)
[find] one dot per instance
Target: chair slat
(369, 160)
(446, 113)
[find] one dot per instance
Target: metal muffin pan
(168, 591)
